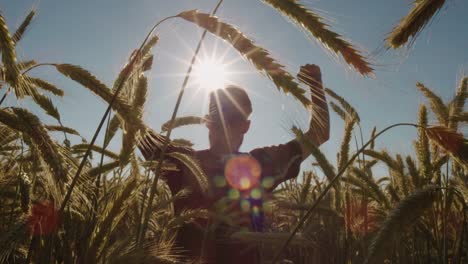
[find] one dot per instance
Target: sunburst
(210, 74)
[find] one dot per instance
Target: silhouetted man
(239, 183)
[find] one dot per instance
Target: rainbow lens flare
(243, 172)
(44, 218)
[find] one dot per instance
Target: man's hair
(230, 103)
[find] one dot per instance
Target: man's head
(228, 118)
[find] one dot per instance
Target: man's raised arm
(282, 162)
(319, 126)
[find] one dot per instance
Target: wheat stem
(147, 214)
(5, 95)
(38, 65)
(101, 123)
(330, 185)
(101, 162)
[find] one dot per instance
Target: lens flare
(44, 218)
(243, 172)
(245, 205)
(220, 181)
(233, 194)
(256, 194)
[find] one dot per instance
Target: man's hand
(310, 74)
(319, 126)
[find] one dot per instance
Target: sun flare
(210, 74)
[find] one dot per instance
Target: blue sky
(99, 36)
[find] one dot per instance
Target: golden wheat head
(311, 22)
(402, 217)
(414, 22)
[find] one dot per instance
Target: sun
(210, 74)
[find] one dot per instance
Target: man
(239, 182)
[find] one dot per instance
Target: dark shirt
(239, 185)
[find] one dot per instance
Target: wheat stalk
(400, 176)
(25, 192)
(182, 142)
(89, 81)
(399, 219)
(7, 48)
(323, 162)
(182, 121)
(422, 145)
(25, 65)
(83, 147)
(332, 182)
(314, 24)
(22, 28)
(104, 168)
(139, 97)
(131, 132)
(103, 228)
(114, 126)
(11, 239)
(344, 149)
(46, 104)
(27, 123)
(346, 106)
(62, 129)
(195, 169)
(45, 86)
(457, 104)
(339, 111)
(259, 57)
(437, 105)
(382, 156)
(372, 186)
(414, 22)
(451, 141)
(413, 172)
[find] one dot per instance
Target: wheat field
(84, 203)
